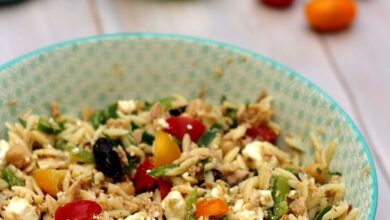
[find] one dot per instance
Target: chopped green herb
(79, 155)
(132, 164)
(334, 173)
(9, 176)
(318, 170)
(190, 203)
(98, 118)
(134, 126)
(22, 122)
(206, 139)
(147, 106)
(111, 111)
(45, 126)
(223, 99)
(61, 144)
(166, 102)
(323, 212)
(205, 161)
(101, 116)
(161, 171)
(147, 138)
(232, 114)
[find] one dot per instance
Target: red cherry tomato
(262, 133)
(142, 181)
(178, 126)
(278, 3)
(164, 187)
(78, 210)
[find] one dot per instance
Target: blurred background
(348, 57)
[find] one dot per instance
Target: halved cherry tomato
(262, 133)
(142, 181)
(278, 3)
(330, 15)
(214, 207)
(179, 126)
(165, 149)
(78, 210)
(49, 180)
(164, 187)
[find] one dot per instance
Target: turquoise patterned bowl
(94, 71)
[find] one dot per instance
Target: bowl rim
(185, 38)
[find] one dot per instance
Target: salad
(172, 158)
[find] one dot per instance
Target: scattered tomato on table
(330, 15)
(278, 3)
(78, 210)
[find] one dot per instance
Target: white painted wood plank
(362, 55)
(37, 23)
(247, 24)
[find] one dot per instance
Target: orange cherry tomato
(212, 207)
(49, 180)
(330, 15)
(165, 149)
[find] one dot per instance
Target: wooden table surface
(353, 66)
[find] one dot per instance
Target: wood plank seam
(355, 108)
(96, 16)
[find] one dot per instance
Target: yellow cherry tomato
(330, 15)
(49, 180)
(165, 149)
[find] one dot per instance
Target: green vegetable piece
(98, 118)
(147, 106)
(334, 173)
(80, 155)
(111, 111)
(206, 139)
(45, 126)
(232, 114)
(291, 170)
(223, 99)
(280, 190)
(323, 212)
(134, 126)
(279, 210)
(161, 171)
(9, 176)
(147, 138)
(190, 203)
(22, 122)
(126, 141)
(132, 164)
(166, 102)
(61, 144)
